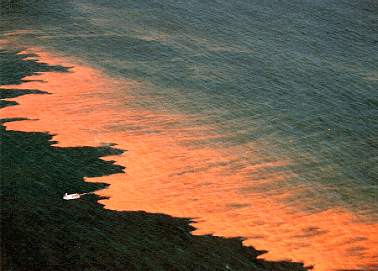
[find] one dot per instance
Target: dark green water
(287, 81)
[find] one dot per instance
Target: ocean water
(255, 118)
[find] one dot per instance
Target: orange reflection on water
(329, 240)
(165, 174)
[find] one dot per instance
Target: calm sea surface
(256, 118)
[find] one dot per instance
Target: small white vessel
(71, 196)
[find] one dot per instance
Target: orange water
(173, 167)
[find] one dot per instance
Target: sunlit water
(257, 119)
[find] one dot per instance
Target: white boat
(71, 196)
